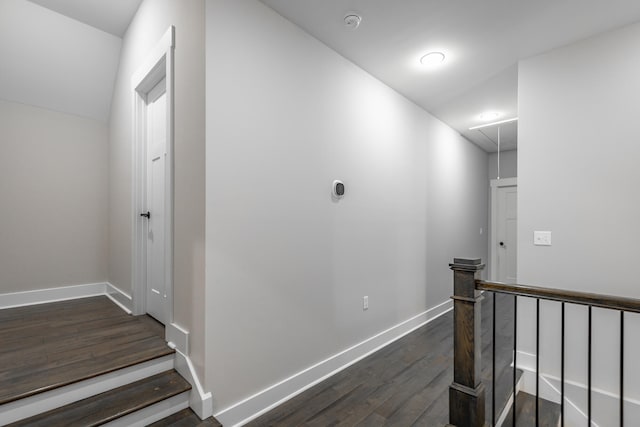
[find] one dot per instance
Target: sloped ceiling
(111, 16)
(498, 93)
(52, 61)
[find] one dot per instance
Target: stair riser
(43, 402)
(153, 413)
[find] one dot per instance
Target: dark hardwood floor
(405, 383)
(51, 345)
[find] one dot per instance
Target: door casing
(157, 65)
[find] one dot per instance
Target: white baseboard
(177, 338)
(119, 297)
(265, 400)
(200, 402)
(44, 296)
(65, 293)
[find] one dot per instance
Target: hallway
(403, 384)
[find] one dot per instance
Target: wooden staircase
(87, 363)
(116, 404)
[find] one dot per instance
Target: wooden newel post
(466, 393)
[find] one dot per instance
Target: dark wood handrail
(582, 298)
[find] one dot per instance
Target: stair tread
(526, 411)
(186, 418)
(37, 381)
(57, 344)
(113, 404)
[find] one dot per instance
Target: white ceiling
(483, 41)
(111, 16)
(498, 93)
(52, 61)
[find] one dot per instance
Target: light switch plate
(542, 238)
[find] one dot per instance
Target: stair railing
(467, 392)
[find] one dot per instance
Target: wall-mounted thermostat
(338, 189)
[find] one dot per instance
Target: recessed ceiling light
(489, 115)
(432, 59)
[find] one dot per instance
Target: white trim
(166, 43)
(177, 338)
(252, 407)
(43, 402)
(119, 298)
(493, 239)
(44, 296)
(66, 293)
(157, 65)
(200, 402)
(526, 361)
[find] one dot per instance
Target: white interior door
(156, 292)
(506, 233)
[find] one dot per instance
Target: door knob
(148, 215)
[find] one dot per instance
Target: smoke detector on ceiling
(352, 21)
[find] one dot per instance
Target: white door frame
(495, 184)
(157, 65)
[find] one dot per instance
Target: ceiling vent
(352, 21)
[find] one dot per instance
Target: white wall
(508, 164)
(55, 62)
(578, 164)
(151, 21)
(287, 266)
(53, 193)
(578, 174)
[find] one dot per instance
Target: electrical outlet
(365, 303)
(542, 238)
